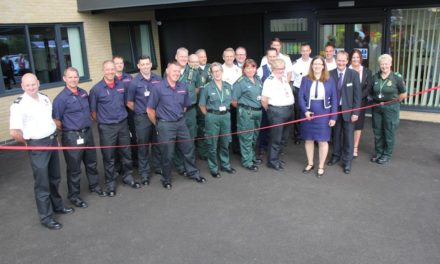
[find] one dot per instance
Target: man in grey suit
(349, 97)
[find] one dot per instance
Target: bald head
(30, 84)
(193, 61)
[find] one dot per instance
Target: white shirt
(278, 92)
(285, 58)
(321, 91)
(300, 69)
(330, 65)
(32, 117)
(231, 74)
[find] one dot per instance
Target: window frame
(131, 25)
(57, 28)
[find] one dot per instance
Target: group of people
(201, 108)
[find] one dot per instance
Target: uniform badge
(17, 101)
(389, 83)
(227, 92)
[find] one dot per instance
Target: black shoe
(229, 170)
(282, 162)
(308, 168)
(215, 175)
(200, 179)
(203, 158)
(52, 224)
(347, 169)
(183, 173)
(319, 175)
(252, 168)
(65, 210)
(111, 193)
(133, 184)
(382, 160)
(375, 158)
(167, 185)
(333, 161)
(275, 167)
(297, 141)
(99, 192)
(158, 172)
(78, 203)
(257, 162)
(145, 182)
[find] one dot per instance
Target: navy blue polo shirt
(167, 101)
(125, 79)
(139, 91)
(108, 103)
(72, 110)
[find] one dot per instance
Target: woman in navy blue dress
(317, 96)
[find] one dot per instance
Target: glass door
(367, 37)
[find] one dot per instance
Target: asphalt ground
(377, 214)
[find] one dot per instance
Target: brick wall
(96, 31)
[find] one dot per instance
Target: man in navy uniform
(349, 97)
(71, 113)
(31, 123)
(107, 103)
(169, 99)
(138, 95)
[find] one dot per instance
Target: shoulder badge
(270, 77)
(240, 79)
(17, 101)
(398, 74)
(43, 94)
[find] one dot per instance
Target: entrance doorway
(367, 37)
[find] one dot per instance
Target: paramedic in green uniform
(387, 86)
(191, 78)
(246, 95)
(215, 101)
(205, 77)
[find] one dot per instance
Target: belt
(52, 136)
(216, 112)
(283, 106)
(84, 130)
(191, 107)
(249, 107)
(170, 121)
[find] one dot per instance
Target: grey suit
(350, 98)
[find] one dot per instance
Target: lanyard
(382, 84)
(220, 96)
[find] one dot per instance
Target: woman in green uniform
(214, 103)
(387, 86)
(246, 95)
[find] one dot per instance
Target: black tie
(316, 90)
(340, 80)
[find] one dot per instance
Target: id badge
(380, 96)
(147, 93)
(222, 108)
(80, 141)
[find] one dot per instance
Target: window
(45, 50)
(131, 40)
(415, 48)
(288, 25)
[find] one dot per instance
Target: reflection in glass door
(366, 37)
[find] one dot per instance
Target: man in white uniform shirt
(277, 99)
(330, 61)
(231, 72)
(276, 44)
(31, 123)
(300, 69)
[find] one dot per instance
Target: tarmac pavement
(377, 214)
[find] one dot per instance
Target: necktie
(340, 79)
(316, 89)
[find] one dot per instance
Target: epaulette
(17, 101)
(398, 74)
(270, 77)
(240, 79)
(43, 94)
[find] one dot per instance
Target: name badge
(222, 108)
(147, 93)
(349, 84)
(259, 98)
(80, 141)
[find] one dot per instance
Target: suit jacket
(351, 94)
(366, 83)
(330, 95)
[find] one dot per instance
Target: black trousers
(296, 114)
(74, 158)
(146, 133)
(278, 115)
(113, 135)
(343, 140)
(46, 170)
(168, 134)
